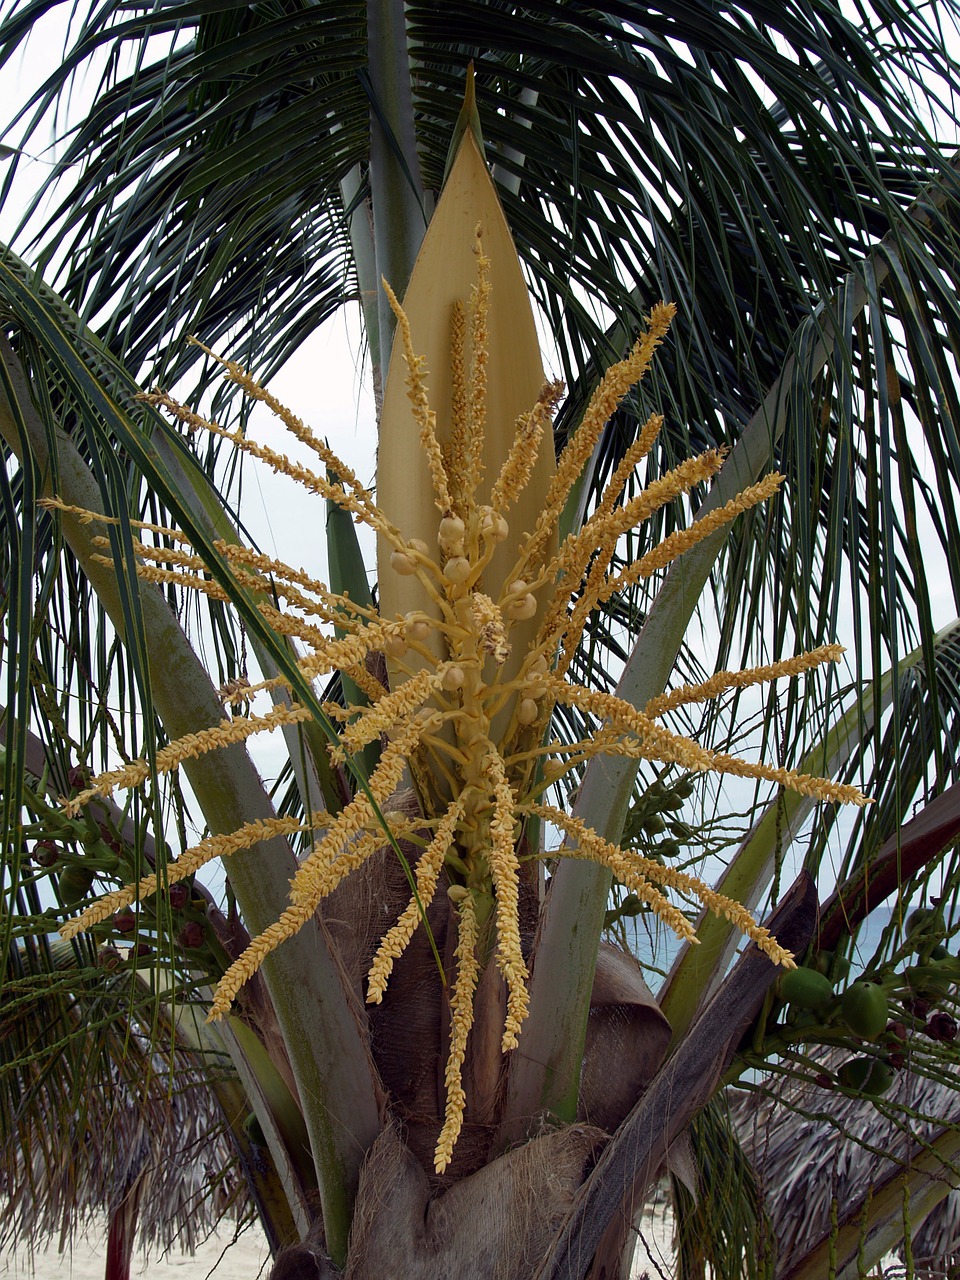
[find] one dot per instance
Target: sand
(654, 1253)
(222, 1259)
(218, 1257)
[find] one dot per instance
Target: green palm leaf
(249, 171)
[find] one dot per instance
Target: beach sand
(218, 1257)
(247, 1258)
(654, 1253)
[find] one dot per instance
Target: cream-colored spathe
(481, 363)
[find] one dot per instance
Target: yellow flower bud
(523, 608)
(453, 678)
(457, 892)
(527, 711)
(450, 535)
(395, 646)
(403, 564)
(457, 569)
(493, 525)
(418, 629)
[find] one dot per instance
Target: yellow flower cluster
(425, 417)
(465, 712)
(395, 940)
(637, 872)
(461, 1020)
(188, 747)
(504, 872)
(721, 681)
(189, 862)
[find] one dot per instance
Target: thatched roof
(812, 1145)
(94, 1122)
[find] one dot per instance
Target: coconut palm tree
(243, 174)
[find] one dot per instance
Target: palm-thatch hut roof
(817, 1150)
(103, 1116)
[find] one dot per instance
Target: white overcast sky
(324, 384)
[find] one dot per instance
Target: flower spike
(481, 614)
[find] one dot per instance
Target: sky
(325, 384)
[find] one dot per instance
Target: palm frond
(99, 1111)
(775, 169)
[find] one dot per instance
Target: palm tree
(244, 173)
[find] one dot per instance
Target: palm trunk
(121, 1234)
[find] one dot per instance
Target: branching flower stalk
(470, 725)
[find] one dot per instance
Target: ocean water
(656, 947)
